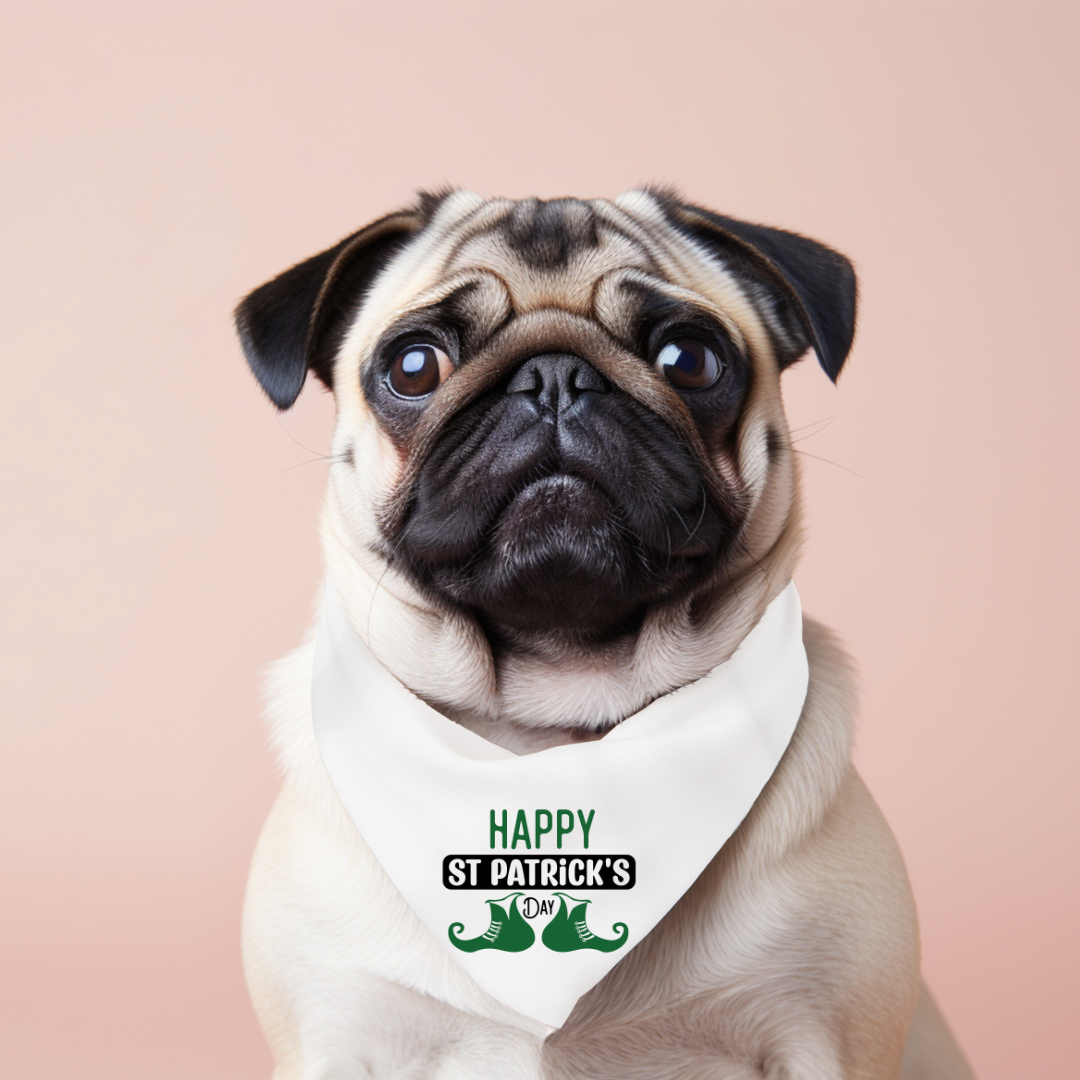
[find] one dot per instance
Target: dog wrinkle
(616, 305)
(486, 306)
(536, 285)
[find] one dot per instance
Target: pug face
(556, 418)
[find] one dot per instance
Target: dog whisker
(303, 446)
(312, 461)
(836, 464)
(818, 425)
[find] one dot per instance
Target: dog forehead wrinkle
(482, 220)
(617, 217)
(487, 303)
(534, 285)
(477, 299)
(616, 305)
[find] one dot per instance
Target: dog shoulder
(809, 777)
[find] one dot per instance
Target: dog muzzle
(538, 873)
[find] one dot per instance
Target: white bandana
(539, 873)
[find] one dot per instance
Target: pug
(561, 487)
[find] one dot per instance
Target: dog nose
(557, 380)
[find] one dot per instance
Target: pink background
(159, 548)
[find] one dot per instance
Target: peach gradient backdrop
(159, 548)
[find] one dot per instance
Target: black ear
(815, 284)
(296, 321)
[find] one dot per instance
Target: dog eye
(689, 364)
(418, 370)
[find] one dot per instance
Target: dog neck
(532, 695)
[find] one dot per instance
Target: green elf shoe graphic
(508, 930)
(567, 931)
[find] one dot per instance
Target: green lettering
(586, 825)
(498, 828)
(521, 830)
(560, 829)
(541, 829)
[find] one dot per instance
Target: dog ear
(816, 285)
(295, 322)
